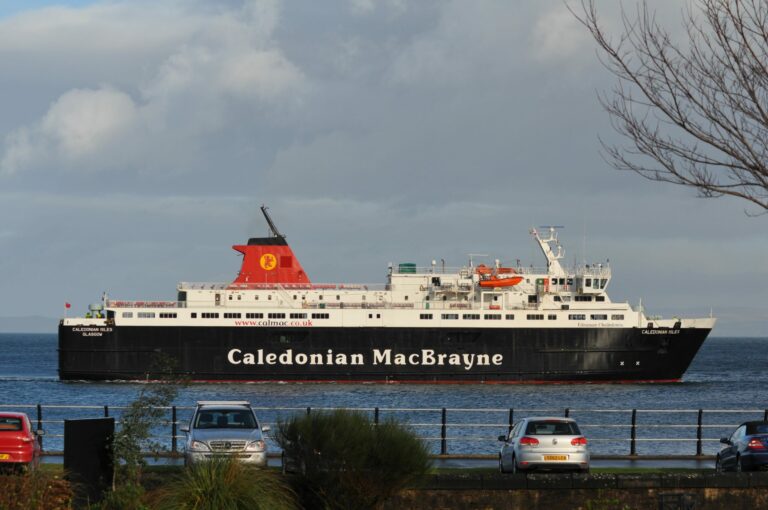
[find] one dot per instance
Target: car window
(8, 423)
(552, 428)
(757, 428)
(225, 419)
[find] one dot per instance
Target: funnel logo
(268, 262)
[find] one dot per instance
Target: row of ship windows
(423, 316)
(530, 316)
(227, 315)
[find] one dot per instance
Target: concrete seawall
(710, 491)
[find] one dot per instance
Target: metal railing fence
(461, 431)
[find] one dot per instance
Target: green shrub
(35, 491)
(226, 484)
(343, 460)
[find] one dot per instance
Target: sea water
(727, 380)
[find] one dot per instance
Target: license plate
(555, 457)
(5, 456)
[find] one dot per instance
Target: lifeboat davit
(495, 281)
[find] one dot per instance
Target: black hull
(372, 354)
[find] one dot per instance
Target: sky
(139, 138)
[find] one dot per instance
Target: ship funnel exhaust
(269, 259)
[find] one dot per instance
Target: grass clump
(225, 484)
(342, 460)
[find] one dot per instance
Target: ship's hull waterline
(385, 354)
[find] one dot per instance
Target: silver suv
(225, 429)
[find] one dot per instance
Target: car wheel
(514, 466)
(719, 465)
(501, 466)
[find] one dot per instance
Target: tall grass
(37, 490)
(226, 484)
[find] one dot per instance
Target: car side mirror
(40, 432)
(184, 428)
(725, 440)
(266, 428)
(503, 438)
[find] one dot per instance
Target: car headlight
(198, 446)
(256, 446)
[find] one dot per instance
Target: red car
(18, 442)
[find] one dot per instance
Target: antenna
(272, 227)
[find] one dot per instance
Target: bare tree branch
(694, 113)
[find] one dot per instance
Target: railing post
(173, 429)
(765, 415)
(567, 412)
(698, 432)
(40, 424)
(511, 419)
(376, 416)
(443, 434)
(633, 434)
(106, 411)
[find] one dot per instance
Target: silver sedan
(544, 443)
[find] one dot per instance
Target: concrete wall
(709, 491)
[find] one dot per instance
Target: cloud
(83, 121)
(211, 64)
(558, 35)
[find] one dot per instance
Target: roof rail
(223, 403)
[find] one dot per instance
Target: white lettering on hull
(424, 357)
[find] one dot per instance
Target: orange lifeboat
(495, 281)
(497, 277)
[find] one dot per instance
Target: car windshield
(225, 419)
(8, 423)
(757, 428)
(552, 428)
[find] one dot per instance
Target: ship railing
(611, 432)
(282, 286)
(115, 303)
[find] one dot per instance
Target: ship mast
(553, 259)
(272, 228)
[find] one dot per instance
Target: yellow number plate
(5, 456)
(555, 457)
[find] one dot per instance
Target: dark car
(746, 450)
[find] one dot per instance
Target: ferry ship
(479, 323)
